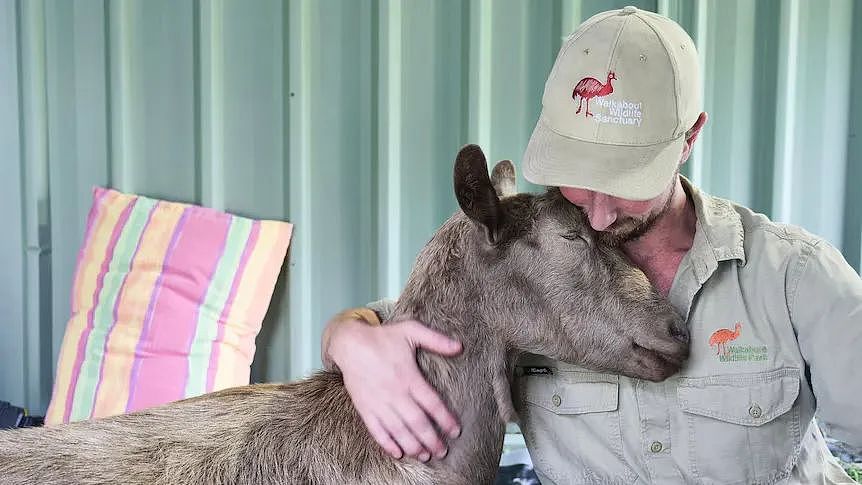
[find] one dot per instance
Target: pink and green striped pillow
(166, 303)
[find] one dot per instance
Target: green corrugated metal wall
(343, 117)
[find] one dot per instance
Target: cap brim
(627, 172)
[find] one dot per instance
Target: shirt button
(557, 400)
(656, 446)
(755, 411)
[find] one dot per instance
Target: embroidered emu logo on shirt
(722, 336)
(735, 353)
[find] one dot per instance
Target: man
(774, 313)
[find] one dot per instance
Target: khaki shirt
(741, 409)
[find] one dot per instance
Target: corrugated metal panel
(343, 117)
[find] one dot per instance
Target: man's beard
(630, 228)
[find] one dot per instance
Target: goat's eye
(575, 236)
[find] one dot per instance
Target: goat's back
(304, 432)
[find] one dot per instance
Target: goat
(506, 274)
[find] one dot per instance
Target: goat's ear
(475, 193)
(503, 178)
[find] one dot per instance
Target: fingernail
(424, 456)
(455, 433)
(443, 453)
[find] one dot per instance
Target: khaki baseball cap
(623, 91)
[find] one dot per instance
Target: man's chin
(619, 236)
(615, 239)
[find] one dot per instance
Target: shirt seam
(801, 265)
(598, 128)
(572, 39)
(771, 228)
(665, 43)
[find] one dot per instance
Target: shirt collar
(719, 232)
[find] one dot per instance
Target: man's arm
(364, 315)
(825, 301)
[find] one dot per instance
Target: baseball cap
(623, 91)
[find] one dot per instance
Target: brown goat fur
(505, 275)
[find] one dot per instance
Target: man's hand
(387, 388)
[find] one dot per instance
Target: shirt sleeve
(383, 308)
(372, 314)
(826, 311)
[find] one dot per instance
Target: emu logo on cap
(590, 87)
(616, 112)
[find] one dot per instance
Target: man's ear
(475, 192)
(691, 136)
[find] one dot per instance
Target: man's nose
(602, 212)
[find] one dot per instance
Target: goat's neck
(476, 383)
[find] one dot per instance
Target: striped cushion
(166, 303)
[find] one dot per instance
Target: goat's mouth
(653, 366)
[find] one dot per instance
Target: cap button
(628, 10)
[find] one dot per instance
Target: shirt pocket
(571, 423)
(742, 428)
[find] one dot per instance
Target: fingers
(403, 436)
(418, 423)
(404, 426)
(382, 437)
(388, 427)
(431, 403)
(425, 338)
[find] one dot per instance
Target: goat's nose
(679, 333)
